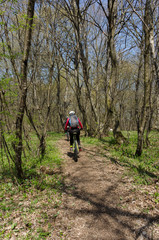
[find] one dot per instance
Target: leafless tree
(21, 75)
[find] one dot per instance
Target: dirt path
(99, 203)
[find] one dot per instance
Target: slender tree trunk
(157, 77)
(112, 67)
(148, 129)
(137, 114)
(78, 87)
(59, 95)
(86, 78)
(42, 146)
(23, 89)
(147, 81)
(79, 55)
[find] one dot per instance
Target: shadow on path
(92, 198)
(102, 211)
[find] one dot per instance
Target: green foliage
(90, 141)
(42, 233)
(40, 191)
(156, 196)
(34, 195)
(30, 159)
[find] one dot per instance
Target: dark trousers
(71, 136)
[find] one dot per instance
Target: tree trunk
(112, 64)
(157, 78)
(78, 88)
(58, 81)
(23, 88)
(147, 80)
(120, 139)
(79, 54)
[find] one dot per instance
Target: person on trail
(73, 122)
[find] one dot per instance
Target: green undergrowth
(30, 156)
(51, 159)
(143, 169)
(28, 209)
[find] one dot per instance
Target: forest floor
(101, 202)
(94, 198)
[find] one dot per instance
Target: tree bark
(111, 70)
(147, 80)
(18, 145)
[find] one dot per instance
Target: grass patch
(28, 210)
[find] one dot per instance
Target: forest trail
(100, 203)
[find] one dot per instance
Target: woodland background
(98, 58)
